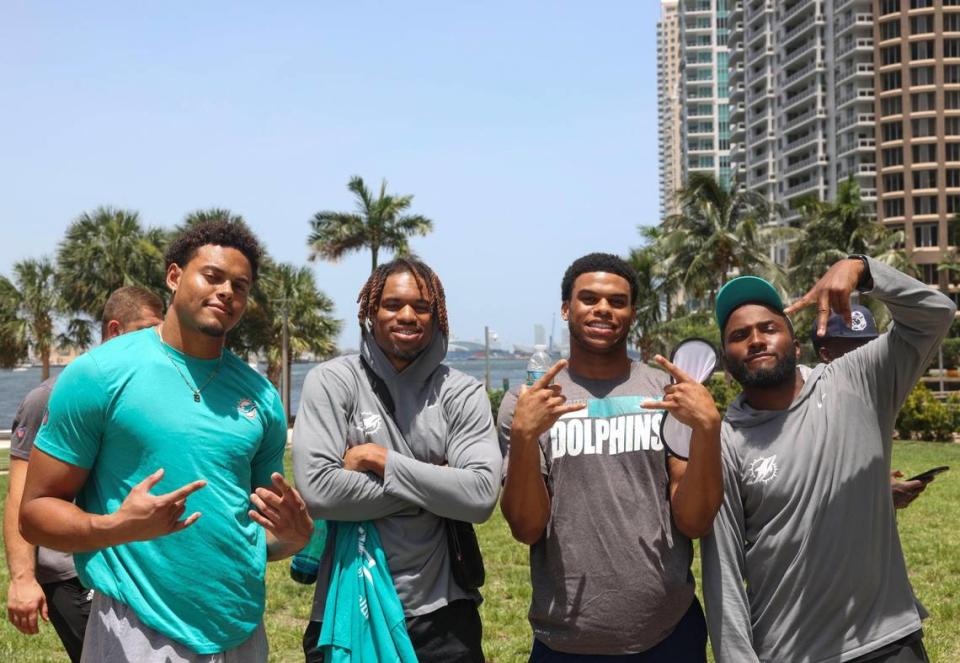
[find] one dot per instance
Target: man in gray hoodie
(433, 455)
(804, 562)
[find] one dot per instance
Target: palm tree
(310, 325)
(717, 232)
(31, 302)
(646, 262)
(104, 250)
(834, 230)
(378, 223)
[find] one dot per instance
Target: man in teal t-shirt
(137, 428)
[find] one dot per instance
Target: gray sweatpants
(116, 635)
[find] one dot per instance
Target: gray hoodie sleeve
(724, 568)
(319, 440)
(466, 489)
(888, 367)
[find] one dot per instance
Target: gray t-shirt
(611, 574)
(52, 565)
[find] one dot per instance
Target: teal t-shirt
(123, 411)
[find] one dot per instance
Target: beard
(764, 378)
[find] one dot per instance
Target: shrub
(951, 353)
(723, 389)
(496, 396)
(924, 417)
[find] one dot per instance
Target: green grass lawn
(928, 530)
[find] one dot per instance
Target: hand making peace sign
(539, 406)
(687, 400)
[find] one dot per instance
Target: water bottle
(306, 563)
(540, 362)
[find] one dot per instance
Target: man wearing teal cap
(804, 562)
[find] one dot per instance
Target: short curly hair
(219, 232)
(599, 262)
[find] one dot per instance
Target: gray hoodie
(442, 417)
(804, 562)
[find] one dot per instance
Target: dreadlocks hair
(372, 291)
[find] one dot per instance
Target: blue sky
(525, 130)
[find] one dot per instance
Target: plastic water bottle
(306, 563)
(540, 362)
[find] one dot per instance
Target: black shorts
(68, 604)
(686, 644)
(452, 634)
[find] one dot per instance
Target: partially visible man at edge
(804, 562)
(172, 398)
(43, 582)
(608, 515)
(433, 457)
(838, 340)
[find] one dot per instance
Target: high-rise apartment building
(668, 105)
(705, 120)
(918, 133)
(801, 94)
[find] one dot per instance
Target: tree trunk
(374, 251)
(273, 372)
(45, 360)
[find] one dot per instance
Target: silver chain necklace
(196, 391)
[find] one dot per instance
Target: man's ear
(114, 329)
(796, 348)
(565, 311)
(824, 354)
(174, 274)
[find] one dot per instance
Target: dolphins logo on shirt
(369, 422)
(762, 470)
(247, 408)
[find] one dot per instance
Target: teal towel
(363, 619)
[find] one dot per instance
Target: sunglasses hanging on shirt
(697, 358)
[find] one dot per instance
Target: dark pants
(452, 634)
(68, 604)
(687, 644)
(905, 650)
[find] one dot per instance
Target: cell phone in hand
(929, 474)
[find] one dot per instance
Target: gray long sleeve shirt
(804, 562)
(442, 417)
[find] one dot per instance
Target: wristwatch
(865, 284)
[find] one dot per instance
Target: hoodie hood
(419, 370)
(739, 414)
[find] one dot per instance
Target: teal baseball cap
(745, 290)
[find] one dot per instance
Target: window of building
(951, 99)
(951, 73)
(893, 182)
(953, 151)
(892, 131)
(951, 22)
(921, 50)
(926, 234)
(891, 106)
(920, 4)
(892, 208)
(953, 232)
(896, 228)
(889, 6)
(923, 126)
(953, 204)
(951, 3)
(925, 205)
(951, 48)
(952, 176)
(890, 54)
(893, 156)
(924, 179)
(926, 153)
(921, 76)
(923, 101)
(921, 24)
(891, 80)
(890, 30)
(929, 274)
(951, 125)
